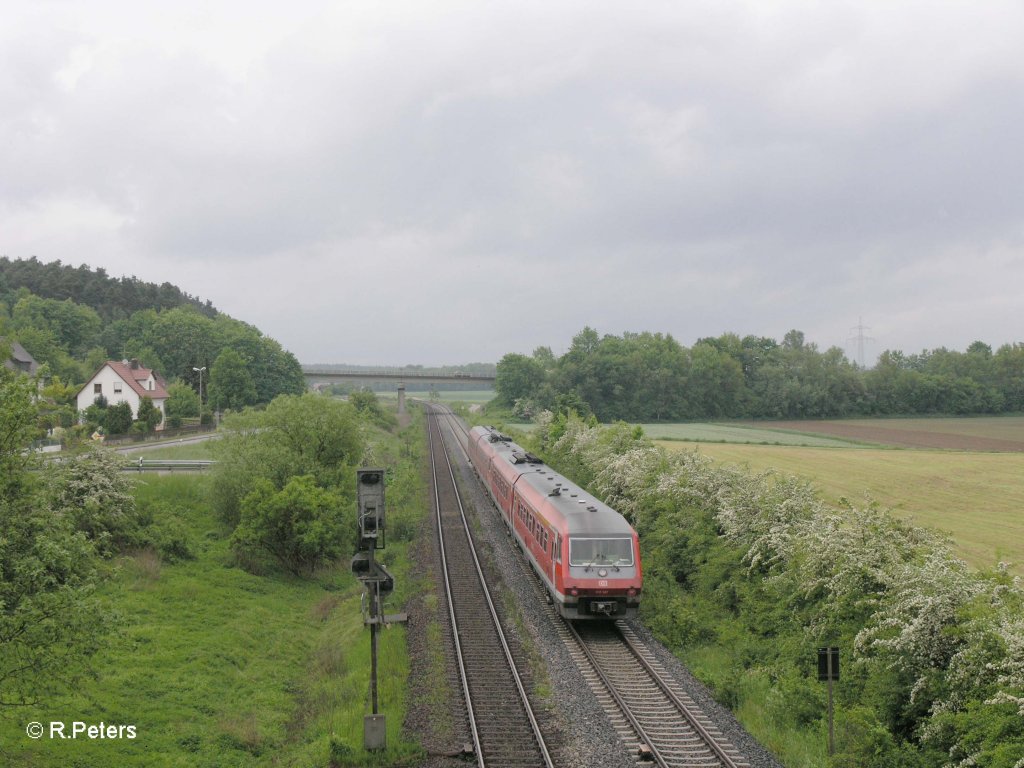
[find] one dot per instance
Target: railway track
(645, 707)
(504, 730)
(651, 714)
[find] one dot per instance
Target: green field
(975, 497)
(736, 433)
(449, 396)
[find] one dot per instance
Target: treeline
(240, 365)
(111, 297)
(651, 377)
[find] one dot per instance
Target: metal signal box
(361, 564)
(370, 504)
(828, 664)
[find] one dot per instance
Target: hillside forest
(73, 319)
(645, 377)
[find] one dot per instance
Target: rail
(499, 730)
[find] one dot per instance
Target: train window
(589, 552)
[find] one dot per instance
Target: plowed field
(1000, 434)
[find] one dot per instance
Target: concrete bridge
(320, 376)
(313, 373)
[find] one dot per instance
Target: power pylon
(860, 338)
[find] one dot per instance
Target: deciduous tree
(296, 435)
(231, 384)
(50, 619)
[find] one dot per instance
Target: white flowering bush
(95, 494)
(937, 649)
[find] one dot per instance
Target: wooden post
(831, 730)
(828, 671)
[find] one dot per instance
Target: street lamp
(200, 372)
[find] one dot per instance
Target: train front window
(613, 552)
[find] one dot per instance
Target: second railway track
(504, 730)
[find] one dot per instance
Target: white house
(126, 381)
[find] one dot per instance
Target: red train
(584, 551)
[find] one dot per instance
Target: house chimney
(135, 364)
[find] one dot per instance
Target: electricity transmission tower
(860, 338)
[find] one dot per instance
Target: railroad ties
(646, 707)
(504, 729)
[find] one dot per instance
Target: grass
(197, 451)
(974, 497)
(472, 396)
(215, 666)
(466, 396)
(755, 705)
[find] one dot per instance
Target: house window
(117, 387)
(97, 389)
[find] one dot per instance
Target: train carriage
(584, 551)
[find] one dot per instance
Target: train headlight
(632, 592)
(574, 592)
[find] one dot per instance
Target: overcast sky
(427, 182)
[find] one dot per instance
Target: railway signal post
(377, 582)
(828, 671)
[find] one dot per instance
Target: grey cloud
(697, 169)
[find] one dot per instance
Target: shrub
(300, 525)
(149, 414)
(91, 490)
(118, 419)
(307, 435)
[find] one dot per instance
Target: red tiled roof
(135, 377)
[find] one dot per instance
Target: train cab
(586, 553)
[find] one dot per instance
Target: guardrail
(167, 465)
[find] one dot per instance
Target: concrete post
(401, 397)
